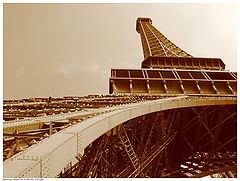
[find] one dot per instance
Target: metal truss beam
(75, 139)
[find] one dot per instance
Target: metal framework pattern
(159, 52)
(69, 142)
(155, 43)
(43, 118)
(175, 117)
(167, 69)
(172, 82)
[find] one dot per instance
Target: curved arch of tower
(174, 117)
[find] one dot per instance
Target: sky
(69, 49)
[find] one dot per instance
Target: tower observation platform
(174, 117)
(166, 69)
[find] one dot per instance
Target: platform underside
(169, 81)
(163, 62)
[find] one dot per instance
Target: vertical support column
(192, 62)
(205, 62)
(50, 128)
(114, 87)
(131, 86)
(148, 87)
(212, 64)
(165, 86)
(111, 156)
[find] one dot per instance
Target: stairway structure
(174, 117)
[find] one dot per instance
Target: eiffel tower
(175, 117)
(178, 72)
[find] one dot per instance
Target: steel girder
(41, 160)
(173, 82)
(187, 142)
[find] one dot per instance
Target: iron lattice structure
(154, 43)
(192, 145)
(188, 142)
(174, 117)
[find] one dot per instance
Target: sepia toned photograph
(119, 90)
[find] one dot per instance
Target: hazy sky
(69, 49)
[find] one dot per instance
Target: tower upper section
(155, 43)
(168, 70)
(159, 52)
